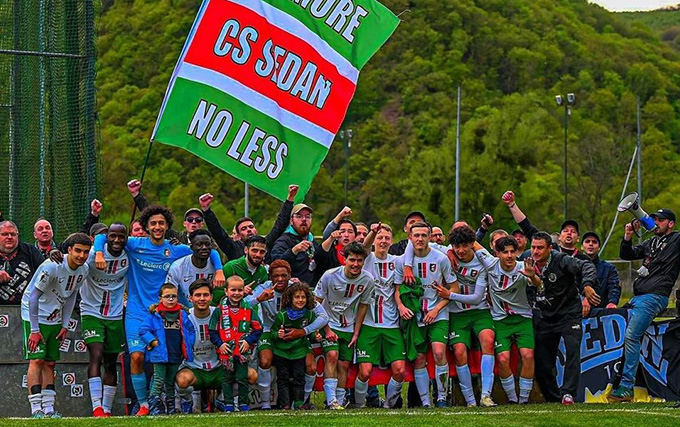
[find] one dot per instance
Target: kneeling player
(345, 293)
(508, 279)
(380, 338)
(434, 270)
(46, 308)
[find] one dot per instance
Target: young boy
(235, 329)
(46, 308)
(169, 336)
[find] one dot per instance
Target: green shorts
(207, 380)
(514, 328)
(463, 325)
(380, 346)
(47, 350)
(345, 353)
(107, 331)
(265, 342)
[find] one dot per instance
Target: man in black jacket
(18, 262)
(607, 276)
(560, 315)
(655, 281)
(297, 246)
(245, 227)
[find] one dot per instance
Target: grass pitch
(650, 415)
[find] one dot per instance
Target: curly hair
(150, 211)
(287, 297)
(462, 235)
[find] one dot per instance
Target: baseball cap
(193, 210)
(300, 206)
(415, 213)
(517, 230)
(591, 234)
(572, 223)
(664, 214)
(98, 228)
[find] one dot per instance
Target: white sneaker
(486, 402)
(335, 406)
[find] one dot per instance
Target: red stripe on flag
(201, 53)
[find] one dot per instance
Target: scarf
(292, 231)
(294, 314)
(340, 253)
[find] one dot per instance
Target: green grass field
(651, 415)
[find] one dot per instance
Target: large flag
(262, 86)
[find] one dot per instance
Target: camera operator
(655, 281)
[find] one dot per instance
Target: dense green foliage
(665, 22)
(511, 58)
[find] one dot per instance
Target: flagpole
(457, 209)
(141, 178)
(247, 207)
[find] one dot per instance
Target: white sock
(487, 374)
(509, 387)
(36, 402)
(393, 392)
(329, 387)
(264, 383)
(108, 397)
(360, 390)
(95, 392)
(185, 393)
(48, 400)
(309, 385)
(340, 395)
(465, 381)
(525, 386)
(423, 385)
(441, 374)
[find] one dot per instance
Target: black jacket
(663, 267)
(608, 278)
(23, 263)
(299, 264)
(233, 249)
(562, 287)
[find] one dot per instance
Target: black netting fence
(48, 132)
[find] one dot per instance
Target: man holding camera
(655, 281)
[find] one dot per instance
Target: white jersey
(183, 273)
(434, 268)
(470, 275)
(383, 313)
(102, 293)
(506, 288)
(269, 308)
(342, 296)
(205, 352)
(58, 283)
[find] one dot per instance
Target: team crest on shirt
(474, 273)
(433, 267)
(360, 288)
(552, 277)
(304, 322)
(390, 266)
(167, 252)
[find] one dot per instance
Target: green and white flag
(262, 86)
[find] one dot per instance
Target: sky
(628, 5)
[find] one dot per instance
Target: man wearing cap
(245, 227)
(655, 281)
(610, 288)
(297, 246)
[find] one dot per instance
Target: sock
(196, 398)
(109, 395)
(309, 385)
(36, 402)
(487, 374)
(186, 393)
(392, 392)
(360, 390)
(525, 386)
(423, 385)
(139, 385)
(48, 400)
(441, 375)
(329, 386)
(509, 387)
(95, 392)
(264, 383)
(340, 395)
(465, 380)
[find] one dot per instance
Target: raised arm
(527, 227)
(283, 218)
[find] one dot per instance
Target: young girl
(166, 332)
(297, 305)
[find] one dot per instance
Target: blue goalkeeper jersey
(149, 265)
